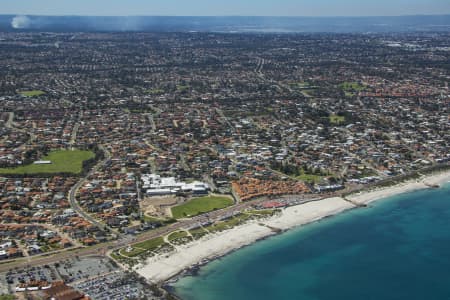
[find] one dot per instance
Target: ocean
(397, 248)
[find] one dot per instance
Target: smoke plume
(20, 22)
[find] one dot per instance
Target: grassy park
(33, 93)
(335, 119)
(351, 88)
(177, 235)
(155, 243)
(198, 232)
(200, 205)
(229, 223)
(155, 91)
(63, 161)
(183, 88)
(140, 248)
(311, 178)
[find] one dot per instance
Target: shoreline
(189, 257)
(424, 182)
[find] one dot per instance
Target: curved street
(73, 191)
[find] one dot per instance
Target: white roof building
(157, 185)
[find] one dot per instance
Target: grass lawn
(310, 178)
(351, 87)
(183, 88)
(335, 119)
(227, 224)
(116, 256)
(63, 161)
(32, 93)
(150, 244)
(262, 212)
(201, 205)
(155, 91)
(145, 246)
(177, 235)
(198, 232)
(134, 252)
(302, 85)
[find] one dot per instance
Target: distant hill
(226, 24)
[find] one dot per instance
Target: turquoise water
(399, 248)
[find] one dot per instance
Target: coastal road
(44, 258)
(213, 216)
(125, 240)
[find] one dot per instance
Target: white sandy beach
(405, 187)
(163, 267)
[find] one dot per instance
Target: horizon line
(230, 16)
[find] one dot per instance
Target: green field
(32, 93)
(183, 88)
(198, 232)
(140, 248)
(63, 161)
(230, 223)
(302, 85)
(310, 178)
(350, 88)
(201, 205)
(335, 119)
(155, 91)
(262, 212)
(150, 244)
(177, 235)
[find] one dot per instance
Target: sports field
(201, 205)
(63, 161)
(32, 93)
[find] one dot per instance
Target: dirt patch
(159, 206)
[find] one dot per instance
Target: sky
(225, 7)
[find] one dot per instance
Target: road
(152, 122)
(73, 191)
(9, 123)
(101, 249)
(73, 136)
(125, 240)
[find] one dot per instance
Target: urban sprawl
(116, 147)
